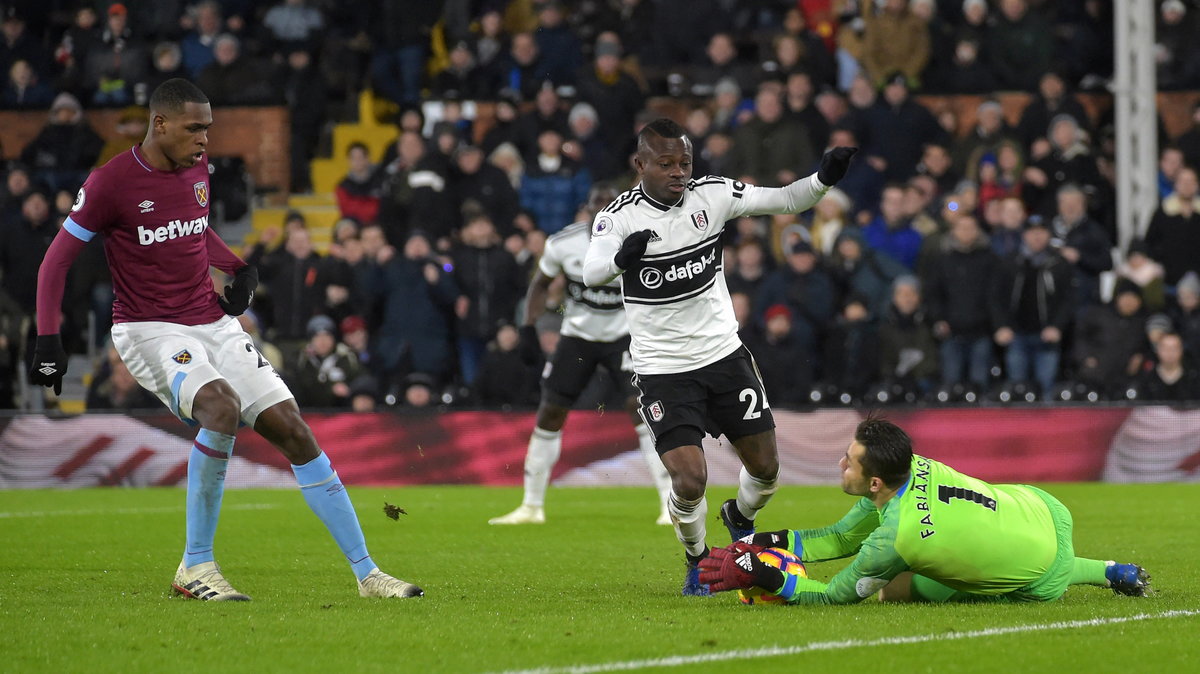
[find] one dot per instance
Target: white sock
(658, 472)
(689, 518)
(754, 493)
(544, 448)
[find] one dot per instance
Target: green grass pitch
(84, 580)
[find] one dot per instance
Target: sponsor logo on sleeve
(603, 226)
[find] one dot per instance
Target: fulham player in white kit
(180, 339)
(595, 335)
(663, 239)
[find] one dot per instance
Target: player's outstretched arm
(802, 194)
(844, 537)
(875, 565)
(50, 359)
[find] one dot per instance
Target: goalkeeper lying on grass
(925, 532)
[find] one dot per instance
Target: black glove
(530, 348)
(237, 296)
(834, 164)
(632, 248)
(49, 362)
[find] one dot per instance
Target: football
(780, 559)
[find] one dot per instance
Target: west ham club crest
(202, 193)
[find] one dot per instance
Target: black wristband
(768, 578)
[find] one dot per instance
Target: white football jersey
(595, 314)
(680, 315)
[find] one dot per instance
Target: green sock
(1089, 572)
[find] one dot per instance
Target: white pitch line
(774, 651)
(128, 511)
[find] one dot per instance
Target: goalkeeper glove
(834, 165)
(632, 248)
(49, 362)
(238, 295)
(738, 567)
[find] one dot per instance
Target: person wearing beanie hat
(777, 310)
(787, 376)
(1110, 340)
(65, 149)
(1037, 308)
(908, 351)
(321, 324)
(1188, 283)
(1185, 313)
(322, 374)
(1158, 325)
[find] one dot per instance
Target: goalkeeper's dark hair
(661, 127)
(888, 453)
(172, 95)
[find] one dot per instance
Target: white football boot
(379, 584)
(205, 581)
(525, 514)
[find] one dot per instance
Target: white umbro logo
(48, 370)
(146, 206)
(744, 562)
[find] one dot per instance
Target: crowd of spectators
(952, 264)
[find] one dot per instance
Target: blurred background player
(180, 339)
(925, 532)
(694, 375)
(595, 335)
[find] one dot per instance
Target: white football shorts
(173, 361)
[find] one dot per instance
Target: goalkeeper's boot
(204, 581)
(739, 527)
(379, 584)
(1128, 579)
(525, 514)
(692, 587)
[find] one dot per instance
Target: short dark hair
(663, 128)
(170, 96)
(888, 454)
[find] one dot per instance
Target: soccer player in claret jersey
(180, 339)
(925, 532)
(595, 335)
(663, 239)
